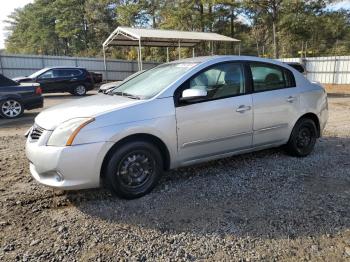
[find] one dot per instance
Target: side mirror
(193, 94)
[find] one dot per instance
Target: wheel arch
(138, 137)
(314, 118)
(75, 85)
(12, 96)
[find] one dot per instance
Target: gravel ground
(254, 207)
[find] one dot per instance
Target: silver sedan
(176, 114)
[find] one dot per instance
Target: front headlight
(65, 133)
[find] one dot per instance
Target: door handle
(291, 99)
(243, 108)
(74, 79)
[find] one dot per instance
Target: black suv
(297, 66)
(74, 80)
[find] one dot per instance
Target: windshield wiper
(119, 93)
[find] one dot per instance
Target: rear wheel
(134, 169)
(79, 90)
(303, 138)
(11, 108)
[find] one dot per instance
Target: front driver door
(47, 81)
(221, 122)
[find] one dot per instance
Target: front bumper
(71, 167)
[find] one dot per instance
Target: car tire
(303, 138)
(134, 169)
(79, 90)
(11, 108)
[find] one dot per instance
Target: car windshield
(153, 81)
(37, 73)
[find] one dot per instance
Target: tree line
(269, 28)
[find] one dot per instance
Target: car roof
(223, 58)
(65, 67)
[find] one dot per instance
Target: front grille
(36, 132)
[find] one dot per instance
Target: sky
(341, 4)
(7, 7)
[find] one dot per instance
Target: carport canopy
(127, 36)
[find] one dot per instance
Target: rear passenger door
(275, 103)
(61, 80)
(66, 79)
(74, 76)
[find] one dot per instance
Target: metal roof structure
(128, 36)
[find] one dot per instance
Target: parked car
(74, 80)
(105, 87)
(297, 66)
(176, 114)
(110, 85)
(15, 97)
(98, 77)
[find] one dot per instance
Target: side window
(76, 72)
(220, 81)
(66, 72)
(268, 77)
(60, 73)
(289, 77)
(72, 72)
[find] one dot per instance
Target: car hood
(91, 106)
(110, 85)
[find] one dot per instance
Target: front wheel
(134, 169)
(303, 138)
(11, 108)
(79, 90)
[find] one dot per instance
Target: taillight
(90, 77)
(38, 90)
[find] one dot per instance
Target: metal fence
(23, 65)
(326, 70)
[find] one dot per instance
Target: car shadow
(263, 194)
(338, 95)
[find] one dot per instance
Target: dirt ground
(264, 206)
(337, 89)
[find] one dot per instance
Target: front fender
(163, 128)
